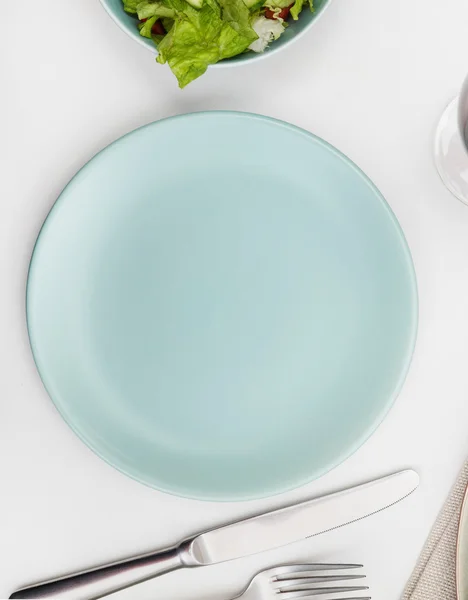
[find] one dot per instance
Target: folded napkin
(434, 575)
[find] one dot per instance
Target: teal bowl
(296, 28)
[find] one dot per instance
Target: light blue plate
(222, 306)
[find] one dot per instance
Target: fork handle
(97, 583)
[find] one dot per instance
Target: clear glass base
(451, 155)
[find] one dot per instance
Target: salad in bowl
(190, 35)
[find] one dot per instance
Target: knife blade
(243, 538)
(287, 525)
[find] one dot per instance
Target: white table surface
(372, 78)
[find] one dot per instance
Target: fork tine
(319, 591)
(307, 583)
(312, 567)
(302, 578)
(309, 574)
(315, 581)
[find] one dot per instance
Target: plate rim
(412, 336)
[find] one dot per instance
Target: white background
(372, 78)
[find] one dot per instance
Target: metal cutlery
(299, 582)
(250, 536)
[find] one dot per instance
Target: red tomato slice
(157, 29)
(282, 14)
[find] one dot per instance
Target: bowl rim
(234, 61)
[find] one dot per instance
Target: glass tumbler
(451, 145)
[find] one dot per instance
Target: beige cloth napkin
(434, 575)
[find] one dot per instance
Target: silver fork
(300, 582)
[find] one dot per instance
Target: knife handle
(97, 583)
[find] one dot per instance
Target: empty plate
(222, 306)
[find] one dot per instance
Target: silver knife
(250, 536)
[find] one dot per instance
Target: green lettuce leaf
(236, 13)
(146, 10)
(167, 23)
(272, 4)
(296, 9)
(145, 29)
(198, 38)
(130, 6)
(151, 12)
(298, 6)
